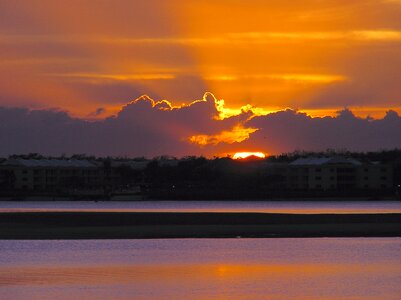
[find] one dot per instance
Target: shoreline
(139, 199)
(155, 225)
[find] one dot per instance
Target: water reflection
(202, 269)
(311, 207)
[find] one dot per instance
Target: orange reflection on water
(203, 281)
(109, 274)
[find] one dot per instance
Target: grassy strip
(119, 225)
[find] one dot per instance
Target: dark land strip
(146, 225)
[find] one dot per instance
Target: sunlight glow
(117, 76)
(320, 78)
(236, 135)
(242, 155)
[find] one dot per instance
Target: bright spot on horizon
(242, 155)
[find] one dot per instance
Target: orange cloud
(317, 78)
(352, 35)
(237, 134)
(122, 77)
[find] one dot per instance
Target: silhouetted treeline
(384, 156)
(76, 156)
(201, 178)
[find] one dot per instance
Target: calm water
(208, 206)
(363, 268)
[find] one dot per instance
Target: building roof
(317, 161)
(49, 163)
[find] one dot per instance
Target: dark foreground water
(361, 268)
(299, 206)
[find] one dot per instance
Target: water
(362, 268)
(209, 206)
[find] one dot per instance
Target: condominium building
(337, 173)
(49, 174)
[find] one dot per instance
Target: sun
(243, 155)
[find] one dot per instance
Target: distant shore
(143, 225)
(140, 198)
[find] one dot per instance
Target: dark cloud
(289, 130)
(140, 128)
(146, 127)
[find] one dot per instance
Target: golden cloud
(237, 134)
(121, 77)
(230, 38)
(317, 78)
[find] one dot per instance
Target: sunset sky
(283, 62)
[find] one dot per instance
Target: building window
(318, 178)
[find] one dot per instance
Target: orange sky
(314, 56)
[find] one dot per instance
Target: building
(67, 175)
(82, 176)
(337, 173)
(375, 176)
(49, 174)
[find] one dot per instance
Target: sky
(219, 76)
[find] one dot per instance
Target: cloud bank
(145, 127)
